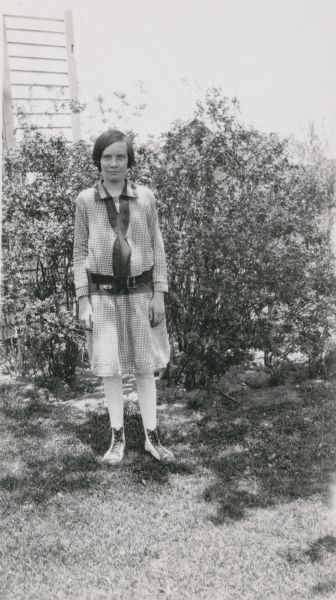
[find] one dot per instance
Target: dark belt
(112, 284)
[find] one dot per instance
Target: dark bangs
(110, 137)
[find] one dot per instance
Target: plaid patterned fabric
(122, 340)
(94, 237)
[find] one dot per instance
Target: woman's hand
(85, 313)
(156, 309)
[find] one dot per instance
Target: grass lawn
(244, 513)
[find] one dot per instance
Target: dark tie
(121, 249)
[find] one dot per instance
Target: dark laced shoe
(155, 448)
(115, 453)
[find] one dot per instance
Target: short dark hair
(110, 137)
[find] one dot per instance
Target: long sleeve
(80, 250)
(160, 282)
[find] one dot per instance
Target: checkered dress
(122, 340)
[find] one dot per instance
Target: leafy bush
(249, 266)
(42, 178)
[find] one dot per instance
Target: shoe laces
(153, 437)
(117, 437)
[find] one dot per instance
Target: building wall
(40, 81)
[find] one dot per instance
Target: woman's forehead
(115, 147)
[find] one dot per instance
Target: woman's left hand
(156, 309)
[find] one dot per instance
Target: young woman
(121, 277)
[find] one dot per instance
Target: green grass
(243, 514)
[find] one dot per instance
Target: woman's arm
(160, 281)
(80, 249)
(80, 254)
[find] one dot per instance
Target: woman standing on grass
(120, 278)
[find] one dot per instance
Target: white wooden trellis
(40, 80)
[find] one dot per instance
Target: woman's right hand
(85, 313)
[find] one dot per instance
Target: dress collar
(129, 190)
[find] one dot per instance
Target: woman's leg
(147, 400)
(115, 405)
(114, 400)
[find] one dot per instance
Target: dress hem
(99, 373)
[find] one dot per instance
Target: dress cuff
(160, 287)
(82, 291)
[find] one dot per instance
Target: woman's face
(114, 162)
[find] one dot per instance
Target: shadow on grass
(95, 432)
(25, 415)
(325, 587)
(41, 480)
(40, 461)
(266, 455)
(326, 544)
(57, 449)
(315, 553)
(253, 458)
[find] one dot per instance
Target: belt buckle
(130, 285)
(107, 287)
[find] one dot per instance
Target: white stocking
(147, 399)
(114, 400)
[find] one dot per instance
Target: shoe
(155, 448)
(115, 453)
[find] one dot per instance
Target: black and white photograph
(168, 300)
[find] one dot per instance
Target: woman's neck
(114, 189)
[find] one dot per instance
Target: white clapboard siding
(39, 80)
(40, 66)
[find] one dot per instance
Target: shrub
(249, 266)
(42, 178)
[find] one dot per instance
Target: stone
(29, 390)
(196, 398)
(255, 379)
